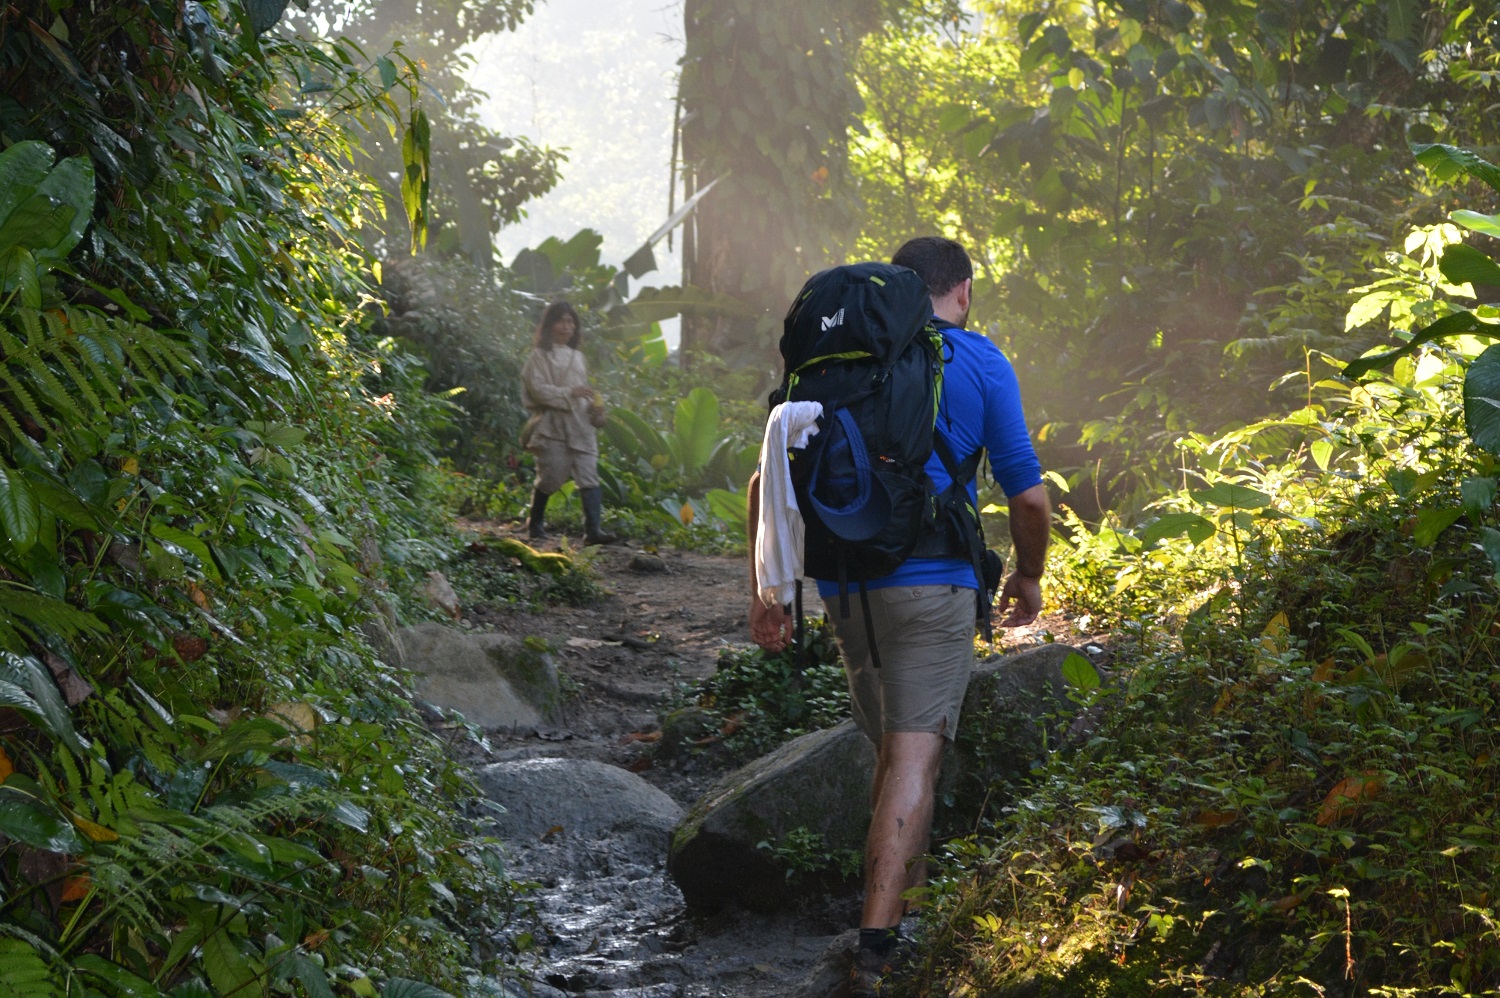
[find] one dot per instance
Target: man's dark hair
(942, 263)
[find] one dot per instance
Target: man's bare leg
(906, 774)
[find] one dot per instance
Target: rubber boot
(593, 513)
(536, 530)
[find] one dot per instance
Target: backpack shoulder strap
(953, 506)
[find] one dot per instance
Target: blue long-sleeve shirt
(980, 406)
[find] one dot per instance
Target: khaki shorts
(925, 636)
(556, 462)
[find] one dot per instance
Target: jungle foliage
(1168, 202)
(479, 177)
(213, 477)
(1291, 789)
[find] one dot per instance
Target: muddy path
(621, 929)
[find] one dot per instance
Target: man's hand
(1022, 596)
(770, 626)
(582, 392)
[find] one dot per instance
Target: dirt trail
(627, 933)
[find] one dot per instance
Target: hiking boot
(534, 529)
(871, 972)
(593, 516)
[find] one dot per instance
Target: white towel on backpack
(778, 532)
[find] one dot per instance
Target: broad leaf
(697, 424)
(29, 821)
(264, 14)
(1466, 265)
(729, 507)
(1489, 539)
(1194, 526)
(1080, 673)
(120, 980)
(1432, 522)
(189, 542)
(1488, 225)
(1482, 400)
(1448, 325)
(253, 733)
(23, 167)
(1230, 495)
(351, 816)
(228, 969)
(40, 223)
(656, 304)
(1449, 162)
(71, 184)
(311, 976)
(634, 437)
(51, 711)
(1478, 496)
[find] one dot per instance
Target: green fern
(77, 365)
(24, 612)
(23, 972)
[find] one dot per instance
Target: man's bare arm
(770, 626)
(1030, 531)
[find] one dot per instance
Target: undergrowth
(756, 700)
(1293, 786)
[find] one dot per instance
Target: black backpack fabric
(860, 340)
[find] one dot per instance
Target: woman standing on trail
(565, 416)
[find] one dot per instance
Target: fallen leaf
(1325, 671)
(77, 888)
(685, 514)
(588, 644)
(298, 718)
(6, 767)
(1289, 902)
(641, 736)
(199, 597)
(554, 830)
(1348, 797)
(189, 647)
(1216, 819)
(75, 689)
(733, 724)
(315, 939)
(95, 831)
(640, 765)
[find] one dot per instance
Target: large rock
(494, 680)
(820, 782)
(579, 811)
(1015, 707)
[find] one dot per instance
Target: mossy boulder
(1016, 710)
(820, 782)
(494, 680)
(1016, 706)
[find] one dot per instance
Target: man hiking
(906, 694)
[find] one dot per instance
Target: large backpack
(861, 340)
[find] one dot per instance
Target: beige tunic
(547, 381)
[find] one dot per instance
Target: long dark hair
(550, 317)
